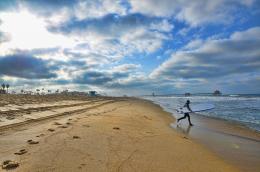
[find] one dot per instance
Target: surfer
(187, 105)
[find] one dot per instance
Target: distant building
(77, 93)
(187, 94)
(2, 91)
(92, 93)
(217, 93)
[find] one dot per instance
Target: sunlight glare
(28, 31)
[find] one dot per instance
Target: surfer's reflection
(184, 129)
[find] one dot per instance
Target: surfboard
(196, 108)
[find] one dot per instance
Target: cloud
(118, 35)
(53, 10)
(113, 44)
(215, 58)
(126, 67)
(97, 39)
(46, 7)
(106, 78)
(27, 31)
(25, 66)
(56, 11)
(37, 51)
(163, 26)
(99, 8)
(4, 37)
(111, 25)
(219, 11)
(92, 58)
(93, 78)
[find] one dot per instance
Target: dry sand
(111, 135)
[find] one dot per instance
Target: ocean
(244, 109)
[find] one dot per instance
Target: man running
(187, 105)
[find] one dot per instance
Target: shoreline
(230, 109)
(129, 135)
(243, 130)
(232, 122)
(233, 142)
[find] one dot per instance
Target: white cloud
(214, 58)
(163, 26)
(162, 8)
(117, 37)
(194, 44)
(143, 40)
(195, 12)
(126, 67)
(250, 34)
(98, 8)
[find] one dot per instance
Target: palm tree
(7, 86)
(3, 86)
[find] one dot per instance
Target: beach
(129, 86)
(99, 134)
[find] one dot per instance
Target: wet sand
(113, 135)
(233, 142)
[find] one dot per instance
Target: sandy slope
(130, 135)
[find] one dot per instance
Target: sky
(131, 47)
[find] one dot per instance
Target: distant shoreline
(202, 94)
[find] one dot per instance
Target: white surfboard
(196, 108)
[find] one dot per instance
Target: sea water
(244, 109)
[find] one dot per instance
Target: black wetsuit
(186, 114)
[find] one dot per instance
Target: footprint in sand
(10, 117)
(116, 128)
(86, 125)
(9, 164)
(32, 142)
(40, 135)
(68, 123)
(63, 126)
(147, 117)
(76, 137)
(51, 130)
(22, 151)
(57, 123)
